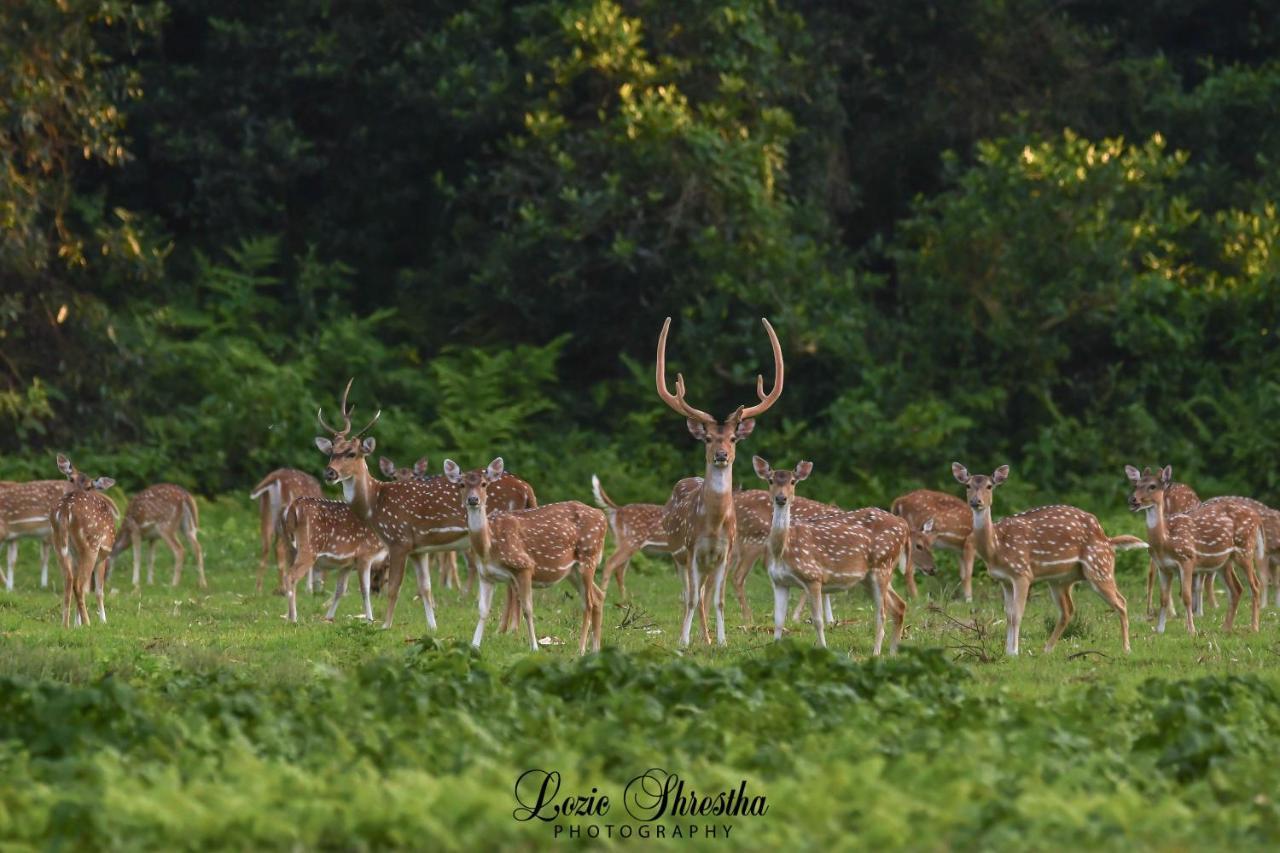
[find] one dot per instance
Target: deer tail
(190, 512)
(1260, 546)
(267, 484)
(1127, 543)
(603, 500)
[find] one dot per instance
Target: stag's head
(979, 488)
(82, 481)
(403, 475)
(1148, 488)
(782, 484)
(922, 548)
(473, 486)
(720, 438)
(346, 452)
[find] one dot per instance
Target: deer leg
(1166, 598)
(1151, 580)
(100, 567)
(451, 567)
(1066, 608)
(1275, 576)
(339, 590)
(722, 572)
(780, 595)
(1188, 571)
(1234, 591)
(395, 576)
(742, 567)
(484, 600)
(585, 592)
(801, 604)
(692, 597)
(179, 554)
(1211, 582)
(303, 562)
(909, 573)
(1248, 564)
(151, 562)
(815, 612)
(366, 583)
(473, 567)
(616, 564)
(826, 600)
(283, 562)
(13, 559)
(193, 540)
(84, 571)
(968, 552)
(68, 585)
(1197, 593)
(44, 564)
(1019, 587)
(597, 614)
(423, 572)
(1111, 594)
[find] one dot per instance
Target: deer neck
(478, 525)
(780, 531)
(717, 494)
(361, 492)
(1157, 531)
(984, 534)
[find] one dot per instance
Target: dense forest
(1019, 231)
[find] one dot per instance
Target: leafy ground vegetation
(201, 720)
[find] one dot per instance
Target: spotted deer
(160, 513)
(1060, 545)
(698, 520)
(1243, 512)
(1204, 540)
(84, 529)
(25, 513)
(834, 552)
(446, 561)
(1179, 497)
(327, 533)
(952, 531)
(1269, 570)
(532, 548)
(637, 528)
(414, 518)
(274, 494)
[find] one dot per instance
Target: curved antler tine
(369, 425)
(320, 418)
(675, 401)
(689, 411)
(767, 401)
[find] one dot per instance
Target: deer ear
(928, 527)
(961, 473)
(494, 471)
(1132, 473)
(64, 465)
(452, 472)
(367, 445)
(324, 444)
(1166, 476)
(1001, 474)
(420, 467)
(803, 470)
(761, 467)
(103, 483)
(697, 428)
(744, 428)
(386, 466)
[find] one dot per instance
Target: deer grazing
(637, 528)
(327, 533)
(699, 520)
(532, 548)
(952, 528)
(1204, 540)
(160, 512)
(274, 493)
(84, 529)
(25, 513)
(1061, 545)
(446, 561)
(413, 518)
(832, 552)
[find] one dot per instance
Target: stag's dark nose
(330, 475)
(722, 456)
(472, 500)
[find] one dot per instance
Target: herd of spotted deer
(711, 532)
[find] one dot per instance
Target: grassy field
(200, 719)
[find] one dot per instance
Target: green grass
(200, 719)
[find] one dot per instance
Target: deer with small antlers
(446, 561)
(952, 531)
(1204, 540)
(275, 493)
(833, 552)
(413, 518)
(532, 548)
(637, 528)
(84, 529)
(327, 533)
(699, 520)
(160, 513)
(1060, 545)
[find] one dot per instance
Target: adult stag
(699, 520)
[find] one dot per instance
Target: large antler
(676, 400)
(346, 414)
(766, 402)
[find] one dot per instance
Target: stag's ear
(325, 445)
(1001, 474)
(1133, 474)
(1166, 476)
(367, 445)
(386, 466)
(494, 471)
(420, 467)
(744, 428)
(452, 472)
(960, 472)
(761, 467)
(928, 527)
(64, 465)
(103, 483)
(697, 428)
(803, 470)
